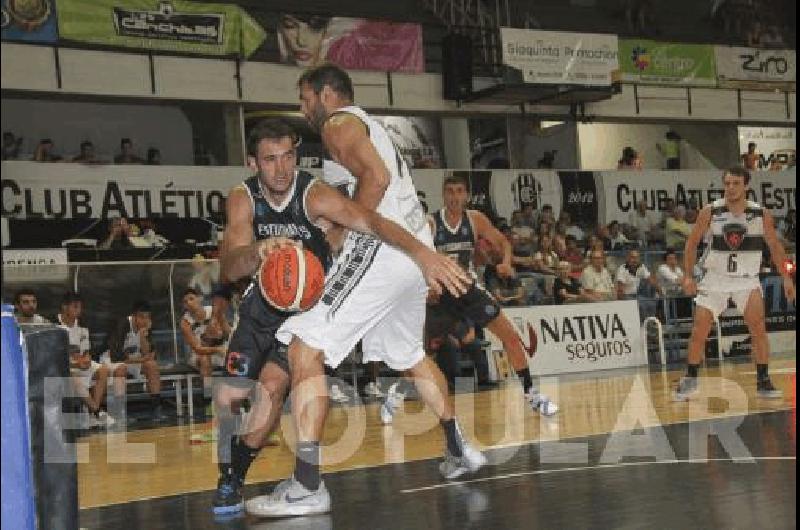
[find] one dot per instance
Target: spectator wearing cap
(676, 229)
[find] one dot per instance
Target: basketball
(291, 279)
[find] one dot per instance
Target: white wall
(104, 124)
(561, 138)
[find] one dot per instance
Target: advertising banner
(578, 337)
(775, 190)
(35, 265)
(647, 61)
(31, 21)
(352, 43)
(556, 57)
(775, 146)
(173, 25)
(736, 64)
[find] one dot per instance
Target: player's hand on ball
(274, 243)
(442, 272)
(689, 286)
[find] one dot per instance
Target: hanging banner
(32, 21)
(418, 139)
(775, 146)
(352, 43)
(646, 61)
(774, 190)
(174, 25)
(578, 337)
(738, 64)
(557, 57)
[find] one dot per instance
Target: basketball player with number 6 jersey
(735, 231)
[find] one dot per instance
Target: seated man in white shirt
(618, 239)
(25, 306)
(669, 275)
(630, 275)
(90, 377)
(642, 224)
(596, 280)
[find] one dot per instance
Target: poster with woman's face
(352, 43)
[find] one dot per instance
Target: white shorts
(86, 376)
(716, 300)
(134, 369)
(374, 292)
(216, 360)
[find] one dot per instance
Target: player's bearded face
(312, 108)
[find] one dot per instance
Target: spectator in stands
(523, 237)
(691, 214)
(671, 150)
(641, 224)
(44, 152)
(126, 155)
(595, 279)
(205, 277)
(567, 289)
(548, 160)
(755, 34)
(604, 235)
(676, 229)
(89, 376)
(507, 291)
(546, 216)
(545, 261)
(751, 157)
(592, 243)
(630, 159)
(205, 333)
(573, 254)
(153, 157)
(118, 233)
(87, 155)
(630, 275)
(670, 275)
(25, 306)
(616, 237)
(11, 146)
(570, 228)
(559, 240)
(787, 227)
(528, 216)
(130, 342)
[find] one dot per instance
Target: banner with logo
(737, 64)
(557, 57)
(30, 21)
(775, 146)
(667, 63)
(72, 191)
(352, 43)
(578, 337)
(35, 265)
(169, 25)
(775, 190)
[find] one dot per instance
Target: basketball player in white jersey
(373, 291)
(735, 231)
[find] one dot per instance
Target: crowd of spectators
(45, 151)
(755, 23)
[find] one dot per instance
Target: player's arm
(241, 253)
(483, 228)
(323, 201)
(778, 255)
(345, 137)
(192, 340)
(690, 250)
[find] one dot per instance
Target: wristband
(788, 266)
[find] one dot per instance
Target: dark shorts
(253, 343)
(477, 305)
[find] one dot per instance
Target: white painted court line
(788, 370)
(593, 468)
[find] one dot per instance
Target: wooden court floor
(599, 403)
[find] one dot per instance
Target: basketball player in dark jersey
(282, 206)
(455, 232)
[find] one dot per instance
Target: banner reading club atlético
(173, 25)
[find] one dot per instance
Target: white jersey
(400, 202)
(78, 336)
(198, 327)
(734, 245)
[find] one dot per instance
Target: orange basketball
(291, 279)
